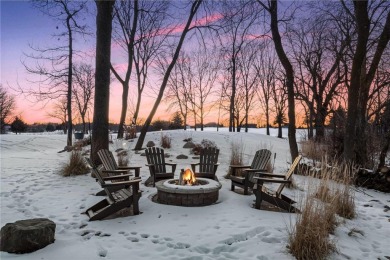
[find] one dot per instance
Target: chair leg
(232, 187)
(246, 190)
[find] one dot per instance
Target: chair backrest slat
(156, 157)
(289, 174)
(208, 158)
(107, 159)
(261, 159)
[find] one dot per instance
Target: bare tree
(83, 89)
(178, 88)
(249, 81)
(279, 97)
(370, 39)
(60, 111)
(102, 78)
(7, 105)
(266, 64)
(318, 48)
(193, 9)
(126, 19)
(149, 43)
(203, 68)
(272, 9)
(238, 20)
(55, 63)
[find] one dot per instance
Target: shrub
(75, 166)
(165, 141)
(205, 143)
(236, 157)
(123, 160)
(309, 237)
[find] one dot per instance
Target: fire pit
(188, 191)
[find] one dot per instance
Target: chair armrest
(260, 180)
(122, 183)
(171, 164)
(255, 170)
(266, 174)
(239, 166)
(129, 167)
(124, 176)
(115, 171)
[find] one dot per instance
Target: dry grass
(313, 150)
(335, 188)
(236, 156)
(123, 160)
(309, 236)
(75, 166)
(165, 141)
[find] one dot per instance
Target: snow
(31, 187)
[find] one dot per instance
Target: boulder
(25, 236)
(189, 145)
(150, 144)
(182, 156)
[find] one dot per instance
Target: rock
(196, 157)
(182, 156)
(189, 145)
(167, 155)
(143, 154)
(187, 139)
(150, 144)
(25, 236)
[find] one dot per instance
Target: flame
(188, 177)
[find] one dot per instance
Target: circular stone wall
(200, 195)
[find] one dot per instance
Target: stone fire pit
(206, 193)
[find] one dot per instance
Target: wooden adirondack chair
(113, 177)
(276, 198)
(110, 164)
(259, 163)
(208, 164)
(157, 165)
(127, 195)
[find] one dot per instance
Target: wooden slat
(289, 174)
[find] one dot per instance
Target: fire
(187, 177)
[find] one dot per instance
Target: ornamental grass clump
(75, 166)
(309, 236)
(236, 157)
(165, 141)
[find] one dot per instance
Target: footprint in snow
(144, 235)
(102, 252)
(133, 239)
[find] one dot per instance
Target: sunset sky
(21, 25)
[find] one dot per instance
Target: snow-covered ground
(230, 229)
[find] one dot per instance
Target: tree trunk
(363, 27)
(280, 134)
(320, 122)
(267, 117)
(145, 127)
(126, 82)
(70, 76)
(289, 78)
(102, 78)
(233, 97)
